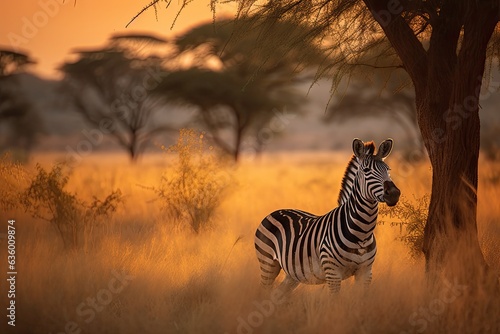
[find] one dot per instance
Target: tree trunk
(448, 117)
(237, 144)
(451, 224)
(132, 154)
(447, 87)
(133, 147)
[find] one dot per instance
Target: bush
(411, 218)
(193, 187)
(74, 219)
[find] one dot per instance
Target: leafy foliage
(237, 81)
(73, 218)
(288, 47)
(193, 188)
(411, 218)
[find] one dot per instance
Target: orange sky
(49, 29)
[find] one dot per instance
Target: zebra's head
(373, 172)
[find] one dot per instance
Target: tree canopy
(236, 82)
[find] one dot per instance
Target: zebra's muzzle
(391, 193)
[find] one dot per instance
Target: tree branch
(403, 39)
(479, 25)
(375, 66)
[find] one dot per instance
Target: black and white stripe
(330, 248)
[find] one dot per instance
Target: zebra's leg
(288, 285)
(269, 270)
(333, 279)
(364, 276)
(282, 292)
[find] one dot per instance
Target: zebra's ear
(358, 147)
(385, 149)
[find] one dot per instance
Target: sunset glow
(249, 167)
(49, 30)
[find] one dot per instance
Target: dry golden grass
(174, 281)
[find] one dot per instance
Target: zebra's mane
(350, 174)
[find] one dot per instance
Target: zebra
(330, 248)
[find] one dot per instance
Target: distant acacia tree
(226, 110)
(443, 45)
(112, 87)
(17, 115)
(236, 85)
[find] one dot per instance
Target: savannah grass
(208, 282)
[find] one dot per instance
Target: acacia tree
(447, 77)
(22, 122)
(228, 113)
(11, 63)
(112, 89)
(236, 83)
(443, 45)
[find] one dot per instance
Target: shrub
(193, 187)
(74, 219)
(411, 218)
